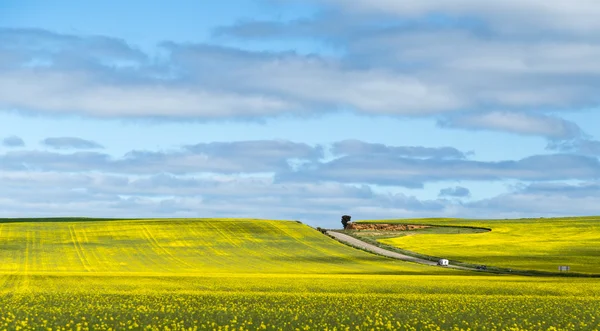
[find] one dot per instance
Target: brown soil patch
(384, 226)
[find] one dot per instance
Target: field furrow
(78, 248)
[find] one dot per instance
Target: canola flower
(527, 244)
(287, 302)
(255, 275)
(183, 246)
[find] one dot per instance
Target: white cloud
(219, 157)
(95, 194)
(313, 81)
(59, 93)
(459, 64)
(28, 194)
(506, 15)
(369, 164)
(390, 170)
(520, 123)
(414, 70)
(369, 91)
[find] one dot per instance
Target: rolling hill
(231, 274)
(181, 246)
(526, 244)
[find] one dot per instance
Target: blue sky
(299, 109)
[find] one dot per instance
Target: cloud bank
(285, 179)
(410, 59)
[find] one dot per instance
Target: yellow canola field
(526, 244)
(292, 302)
(209, 274)
(184, 246)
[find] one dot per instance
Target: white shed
(443, 262)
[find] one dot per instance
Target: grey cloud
(581, 190)
(543, 199)
(13, 141)
(579, 146)
(357, 148)
(295, 162)
(38, 160)
(47, 48)
(402, 201)
(89, 75)
(536, 205)
(50, 92)
(169, 195)
(490, 72)
(235, 187)
(313, 80)
(70, 143)
(233, 157)
(60, 194)
(416, 70)
(458, 191)
(223, 157)
(245, 85)
(164, 195)
(534, 15)
(520, 123)
(400, 171)
(258, 150)
(468, 53)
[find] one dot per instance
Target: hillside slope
(527, 244)
(183, 246)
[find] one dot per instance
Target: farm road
(346, 239)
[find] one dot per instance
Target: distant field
(528, 244)
(211, 274)
(379, 234)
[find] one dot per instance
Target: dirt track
(346, 239)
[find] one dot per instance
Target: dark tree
(345, 220)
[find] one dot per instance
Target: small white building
(443, 262)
